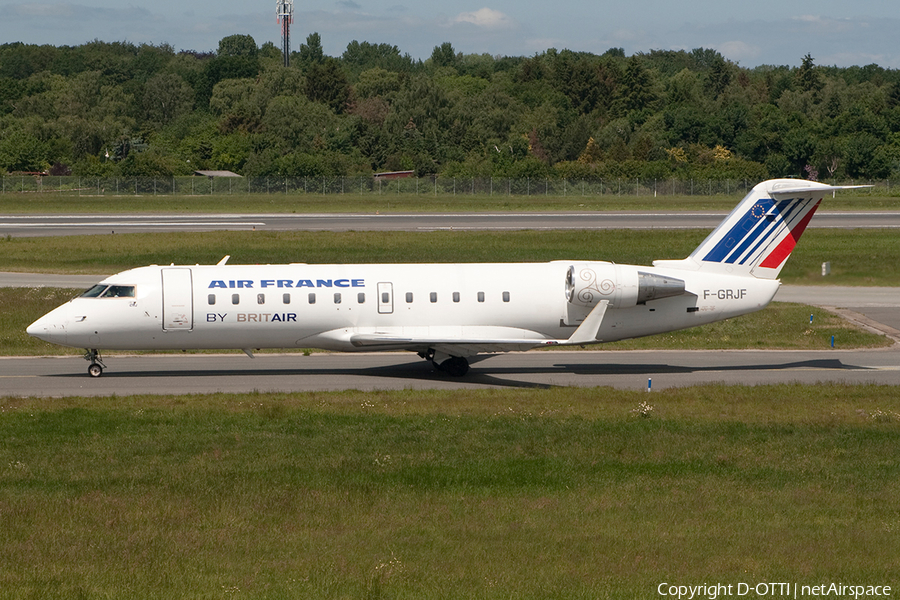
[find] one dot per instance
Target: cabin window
(337, 298)
(434, 296)
(361, 298)
(385, 297)
(456, 296)
(235, 298)
(211, 299)
(506, 296)
(260, 298)
(481, 296)
(409, 297)
(312, 298)
(286, 298)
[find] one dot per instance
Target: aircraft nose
(48, 330)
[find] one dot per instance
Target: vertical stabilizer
(761, 232)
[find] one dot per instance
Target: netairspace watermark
(712, 591)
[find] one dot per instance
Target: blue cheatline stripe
(783, 211)
(744, 227)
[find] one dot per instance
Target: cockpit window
(119, 291)
(110, 291)
(95, 291)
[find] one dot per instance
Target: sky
(762, 32)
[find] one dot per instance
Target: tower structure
(285, 12)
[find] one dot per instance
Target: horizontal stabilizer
(781, 193)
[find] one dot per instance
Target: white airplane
(447, 313)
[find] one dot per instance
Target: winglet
(590, 327)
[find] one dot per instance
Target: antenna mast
(285, 11)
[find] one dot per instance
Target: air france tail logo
(752, 239)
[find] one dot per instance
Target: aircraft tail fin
(757, 237)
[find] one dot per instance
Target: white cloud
(485, 17)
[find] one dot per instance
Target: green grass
(781, 325)
(858, 257)
(563, 493)
(51, 202)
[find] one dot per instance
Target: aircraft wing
(468, 345)
(471, 340)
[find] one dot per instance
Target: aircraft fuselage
(323, 306)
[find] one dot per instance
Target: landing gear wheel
(455, 366)
(97, 366)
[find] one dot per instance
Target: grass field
(49, 202)
(524, 494)
(858, 257)
(567, 493)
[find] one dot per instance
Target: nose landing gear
(97, 366)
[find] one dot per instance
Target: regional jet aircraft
(446, 313)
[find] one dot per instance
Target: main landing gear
(455, 366)
(97, 366)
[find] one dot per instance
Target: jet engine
(623, 285)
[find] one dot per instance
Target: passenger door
(178, 299)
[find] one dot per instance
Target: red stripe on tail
(784, 249)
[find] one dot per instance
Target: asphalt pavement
(109, 224)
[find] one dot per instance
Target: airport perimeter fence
(368, 185)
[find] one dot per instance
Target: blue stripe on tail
(764, 221)
(742, 229)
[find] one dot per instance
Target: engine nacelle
(623, 285)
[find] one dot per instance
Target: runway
(200, 374)
(79, 224)
(878, 308)
(875, 308)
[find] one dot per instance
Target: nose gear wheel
(97, 366)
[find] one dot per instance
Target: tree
(166, 97)
(327, 83)
(20, 151)
(377, 82)
(444, 56)
(311, 52)
(808, 75)
(576, 75)
(636, 89)
(862, 157)
(238, 45)
(719, 76)
(361, 56)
